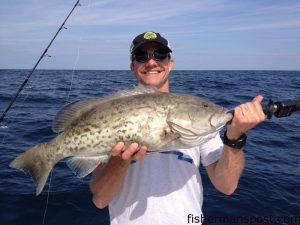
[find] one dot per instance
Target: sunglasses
(158, 55)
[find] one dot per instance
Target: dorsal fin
(72, 111)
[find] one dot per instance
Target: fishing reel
(281, 108)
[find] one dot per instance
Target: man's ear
(131, 66)
(171, 64)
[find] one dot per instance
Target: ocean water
(269, 189)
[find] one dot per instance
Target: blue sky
(204, 34)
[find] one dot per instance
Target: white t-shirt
(164, 188)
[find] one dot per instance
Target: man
(165, 188)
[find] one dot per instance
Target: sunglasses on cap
(158, 55)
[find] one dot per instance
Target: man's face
(153, 72)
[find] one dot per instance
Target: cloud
(138, 12)
(271, 25)
(107, 26)
(37, 16)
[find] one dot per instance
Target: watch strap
(237, 144)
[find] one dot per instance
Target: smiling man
(151, 60)
(166, 188)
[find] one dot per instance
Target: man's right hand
(133, 152)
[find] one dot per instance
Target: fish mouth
(220, 118)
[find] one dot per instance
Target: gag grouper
(89, 129)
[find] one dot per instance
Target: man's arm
(106, 183)
(225, 173)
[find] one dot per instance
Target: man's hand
(133, 152)
(246, 117)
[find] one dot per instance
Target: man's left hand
(246, 117)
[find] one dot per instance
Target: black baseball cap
(148, 37)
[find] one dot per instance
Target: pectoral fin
(188, 137)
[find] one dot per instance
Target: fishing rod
(37, 63)
(279, 109)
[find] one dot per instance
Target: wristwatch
(237, 144)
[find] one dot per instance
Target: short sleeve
(211, 151)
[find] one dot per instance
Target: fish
(88, 129)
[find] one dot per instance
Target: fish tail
(38, 162)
